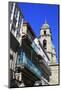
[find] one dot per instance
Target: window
(44, 44)
(16, 13)
(29, 35)
(14, 20)
(11, 57)
(44, 32)
(18, 33)
(10, 9)
(20, 58)
(13, 27)
(20, 19)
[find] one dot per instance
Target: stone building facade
(32, 60)
(47, 43)
(54, 78)
(29, 63)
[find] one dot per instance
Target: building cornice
(54, 64)
(46, 35)
(50, 53)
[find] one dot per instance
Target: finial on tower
(45, 25)
(45, 20)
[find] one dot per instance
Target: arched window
(44, 44)
(44, 32)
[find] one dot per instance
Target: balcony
(25, 61)
(38, 49)
(42, 58)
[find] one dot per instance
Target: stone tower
(46, 39)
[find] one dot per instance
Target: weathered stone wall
(54, 79)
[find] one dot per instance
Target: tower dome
(45, 25)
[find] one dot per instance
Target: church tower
(46, 40)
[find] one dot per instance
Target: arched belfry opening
(44, 32)
(44, 44)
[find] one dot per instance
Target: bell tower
(46, 39)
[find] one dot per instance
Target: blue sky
(36, 14)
